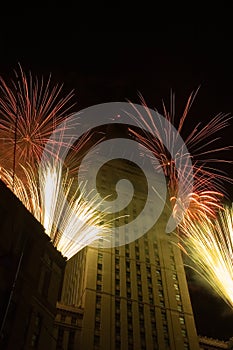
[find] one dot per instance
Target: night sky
(103, 66)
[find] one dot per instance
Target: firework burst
(30, 110)
(71, 221)
(209, 245)
(208, 186)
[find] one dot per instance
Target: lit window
(181, 318)
(179, 307)
(184, 333)
(100, 257)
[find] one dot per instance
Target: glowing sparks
(30, 110)
(208, 180)
(70, 221)
(209, 245)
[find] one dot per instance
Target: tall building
(31, 274)
(134, 296)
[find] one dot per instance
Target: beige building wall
(134, 296)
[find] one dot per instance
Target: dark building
(31, 274)
(68, 326)
(214, 344)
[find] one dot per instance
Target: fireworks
(201, 202)
(30, 110)
(209, 245)
(70, 221)
(208, 181)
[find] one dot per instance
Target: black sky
(114, 65)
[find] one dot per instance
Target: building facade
(31, 275)
(68, 325)
(134, 296)
(214, 344)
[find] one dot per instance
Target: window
(140, 308)
(59, 339)
(181, 318)
(98, 301)
(179, 307)
(97, 313)
(96, 339)
(173, 267)
(63, 318)
(118, 330)
(71, 340)
(117, 307)
(100, 257)
(97, 325)
(73, 320)
(184, 333)
(163, 313)
(159, 283)
(46, 283)
(160, 293)
(37, 328)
